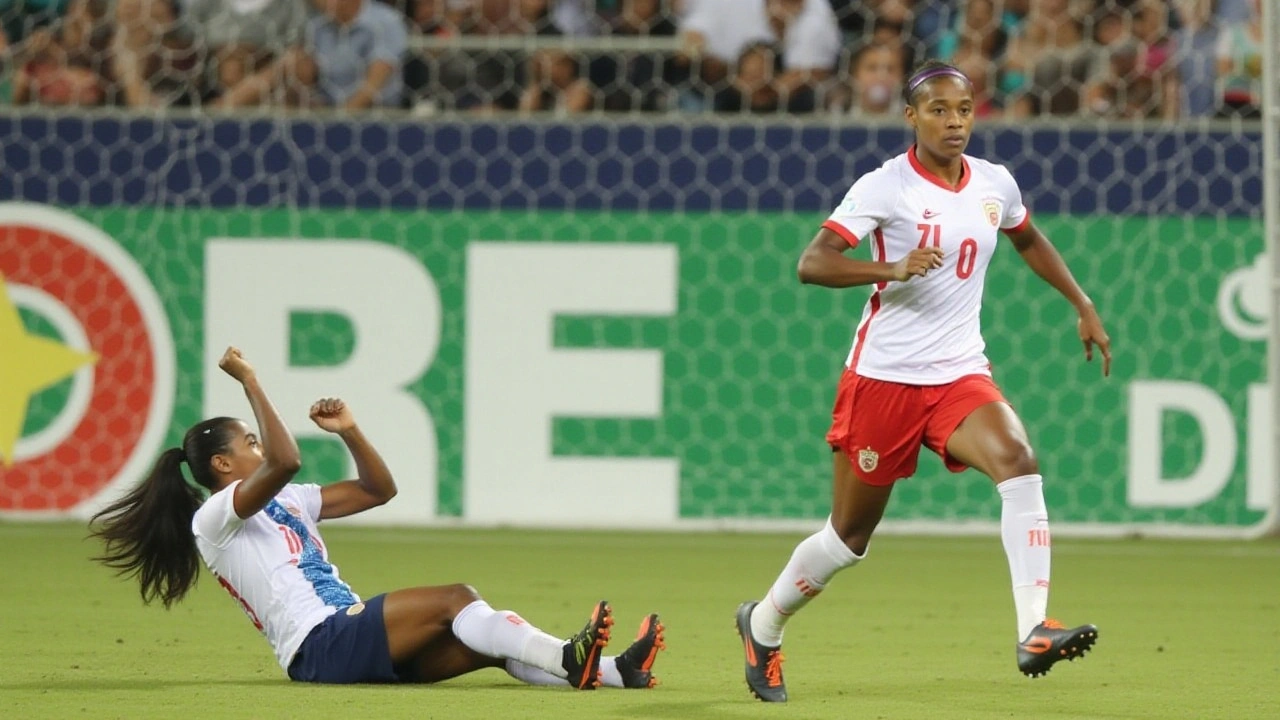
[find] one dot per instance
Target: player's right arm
(824, 263)
(280, 457)
(868, 205)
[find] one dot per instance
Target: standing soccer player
(917, 375)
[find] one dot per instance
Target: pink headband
(932, 73)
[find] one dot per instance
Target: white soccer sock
(813, 563)
(504, 634)
(1024, 528)
(609, 675)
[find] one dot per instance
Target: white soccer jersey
(926, 331)
(273, 563)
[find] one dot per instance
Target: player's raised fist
(332, 415)
(917, 262)
(234, 364)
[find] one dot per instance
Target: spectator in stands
(441, 18)
(1118, 89)
(1197, 40)
(20, 18)
(876, 74)
(67, 63)
(1047, 62)
(156, 62)
(973, 46)
(752, 87)
(977, 31)
(1135, 73)
(1239, 56)
(535, 17)
(555, 85)
(714, 34)
(351, 58)
(809, 37)
(637, 80)
(436, 79)
(643, 17)
(1159, 66)
(242, 37)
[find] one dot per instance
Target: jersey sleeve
(865, 207)
(312, 500)
(216, 520)
(1016, 216)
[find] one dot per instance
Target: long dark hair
(148, 531)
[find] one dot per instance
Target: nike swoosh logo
(751, 652)
(930, 214)
(1037, 646)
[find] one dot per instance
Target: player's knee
(855, 536)
(1014, 459)
(461, 595)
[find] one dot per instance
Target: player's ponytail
(148, 531)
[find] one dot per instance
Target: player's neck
(949, 171)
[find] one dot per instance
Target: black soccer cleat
(764, 663)
(1050, 642)
(582, 651)
(635, 664)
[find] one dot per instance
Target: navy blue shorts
(350, 646)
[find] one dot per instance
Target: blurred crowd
(1101, 58)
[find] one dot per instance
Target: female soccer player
(257, 535)
(917, 375)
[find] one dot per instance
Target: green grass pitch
(923, 629)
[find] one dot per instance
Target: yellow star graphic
(28, 364)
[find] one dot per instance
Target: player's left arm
(1041, 256)
(374, 485)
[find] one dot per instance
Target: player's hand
(332, 415)
(1092, 333)
(234, 364)
(917, 262)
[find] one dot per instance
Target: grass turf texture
(923, 629)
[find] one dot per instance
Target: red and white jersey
(273, 563)
(927, 331)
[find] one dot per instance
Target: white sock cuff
(474, 606)
(834, 546)
(1015, 485)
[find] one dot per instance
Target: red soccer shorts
(881, 425)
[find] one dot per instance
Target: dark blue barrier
(659, 166)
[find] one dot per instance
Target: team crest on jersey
(355, 609)
(992, 210)
(868, 459)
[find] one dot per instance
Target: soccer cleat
(635, 664)
(1050, 642)
(764, 663)
(582, 651)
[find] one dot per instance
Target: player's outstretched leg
(1050, 642)
(764, 663)
(582, 651)
(635, 664)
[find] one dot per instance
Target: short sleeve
(865, 207)
(813, 44)
(1016, 216)
(216, 520)
(391, 38)
(310, 497)
(294, 26)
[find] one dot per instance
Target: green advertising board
(696, 373)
